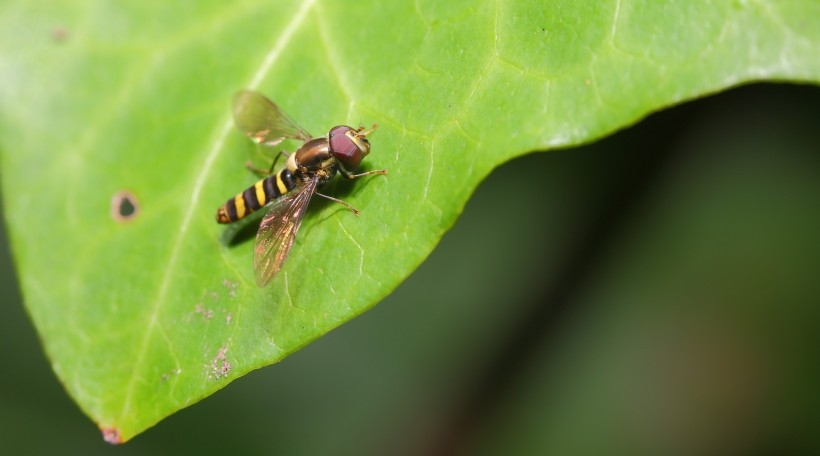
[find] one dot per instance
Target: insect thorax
(314, 159)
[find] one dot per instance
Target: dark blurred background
(657, 292)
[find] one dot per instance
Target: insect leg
(336, 200)
(265, 172)
(348, 175)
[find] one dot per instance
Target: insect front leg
(336, 200)
(348, 175)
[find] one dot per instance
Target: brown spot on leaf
(59, 34)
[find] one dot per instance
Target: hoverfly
(288, 192)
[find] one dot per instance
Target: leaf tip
(111, 435)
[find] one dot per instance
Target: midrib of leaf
(225, 127)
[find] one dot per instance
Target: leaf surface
(100, 102)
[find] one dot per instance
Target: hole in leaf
(124, 206)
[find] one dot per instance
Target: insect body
(288, 192)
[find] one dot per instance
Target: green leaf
(98, 101)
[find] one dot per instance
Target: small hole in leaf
(124, 206)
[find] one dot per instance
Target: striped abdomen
(256, 196)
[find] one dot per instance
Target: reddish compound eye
(348, 146)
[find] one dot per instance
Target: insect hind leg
(266, 172)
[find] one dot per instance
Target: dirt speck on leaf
(231, 288)
(219, 367)
(167, 376)
(207, 314)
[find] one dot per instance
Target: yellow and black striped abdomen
(256, 196)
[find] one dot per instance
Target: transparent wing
(278, 231)
(262, 121)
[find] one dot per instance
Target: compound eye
(348, 146)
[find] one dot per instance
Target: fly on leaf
(286, 194)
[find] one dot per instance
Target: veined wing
(278, 231)
(262, 121)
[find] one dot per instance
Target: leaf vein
(270, 58)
